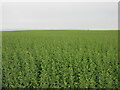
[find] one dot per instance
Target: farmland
(60, 59)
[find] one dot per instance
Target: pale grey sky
(60, 15)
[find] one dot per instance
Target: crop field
(60, 59)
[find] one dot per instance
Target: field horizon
(63, 29)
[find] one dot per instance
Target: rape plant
(60, 59)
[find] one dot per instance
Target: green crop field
(60, 59)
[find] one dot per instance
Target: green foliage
(60, 59)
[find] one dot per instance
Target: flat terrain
(60, 59)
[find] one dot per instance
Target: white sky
(59, 15)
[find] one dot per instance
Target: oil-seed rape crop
(60, 59)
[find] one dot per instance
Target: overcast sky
(60, 15)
